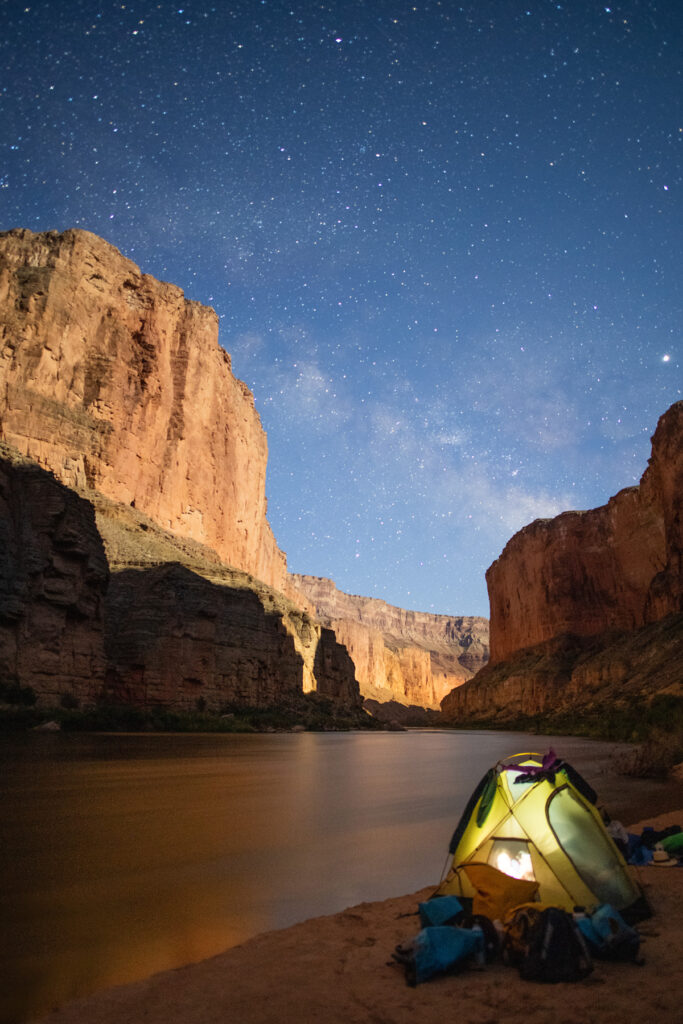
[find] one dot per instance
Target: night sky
(444, 242)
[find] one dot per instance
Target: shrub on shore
(309, 712)
(655, 726)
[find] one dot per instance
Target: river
(123, 855)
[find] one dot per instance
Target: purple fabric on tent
(531, 772)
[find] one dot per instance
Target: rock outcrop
(414, 658)
(392, 713)
(608, 681)
(183, 627)
(616, 567)
(53, 578)
(577, 602)
(116, 383)
(176, 639)
(98, 604)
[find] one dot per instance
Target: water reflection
(124, 855)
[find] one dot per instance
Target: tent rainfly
(535, 819)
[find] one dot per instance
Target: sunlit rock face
(587, 608)
(411, 657)
(614, 567)
(53, 576)
(116, 382)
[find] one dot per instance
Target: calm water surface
(125, 855)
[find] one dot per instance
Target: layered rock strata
(134, 542)
(587, 607)
(414, 658)
(572, 679)
(116, 383)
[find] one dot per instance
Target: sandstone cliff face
(117, 383)
(586, 609)
(53, 575)
(615, 567)
(411, 657)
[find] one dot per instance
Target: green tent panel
(542, 825)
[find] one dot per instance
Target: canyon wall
(614, 567)
(98, 604)
(117, 383)
(176, 639)
(587, 608)
(414, 658)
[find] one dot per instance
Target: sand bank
(338, 970)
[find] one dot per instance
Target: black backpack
(555, 949)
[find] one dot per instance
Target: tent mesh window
(588, 847)
(517, 789)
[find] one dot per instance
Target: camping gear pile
(536, 879)
(662, 848)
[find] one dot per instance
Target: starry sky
(443, 240)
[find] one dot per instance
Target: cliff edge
(116, 383)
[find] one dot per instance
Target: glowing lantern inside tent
(512, 857)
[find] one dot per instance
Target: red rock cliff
(414, 658)
(587, 609)
(617, 567)
(117, 383)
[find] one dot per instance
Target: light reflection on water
(125, 855)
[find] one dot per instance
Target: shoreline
(338, 969)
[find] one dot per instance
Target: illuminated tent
(534, 819)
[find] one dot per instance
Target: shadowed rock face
(174, 639)
(413, 658)
(116, 383)
(244, 641)
(586, 608)
(53, 577)
(181, 636)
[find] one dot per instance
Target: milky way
(444, 243)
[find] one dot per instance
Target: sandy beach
(338, 970)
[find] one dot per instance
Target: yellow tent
(534, 819)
